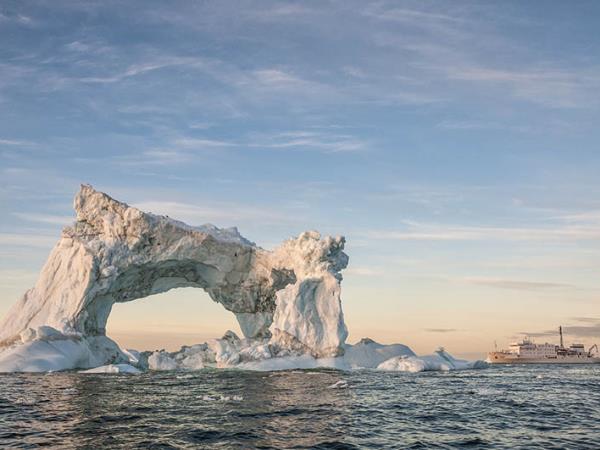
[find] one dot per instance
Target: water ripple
(501, 407)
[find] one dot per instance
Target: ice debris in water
(113, 368)
(340, 384)
(232, 352)
(222, 398)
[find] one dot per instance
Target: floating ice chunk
(403, 364)
(194, 361)
(254, 352)
(294, 362)
(369, 354)
(113, 368)
(225, 351)
(341, 384)
(222, 398)
(46, 356)
(161, 360)
(440, 361)
(132, 355)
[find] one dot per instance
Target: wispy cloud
(362, 271)
(406, 15)
(437, 232)
(45, 218)
(547, 86)
(199, 143)
(137, 69)
(27, 240)
(441, 330)
(520, 285)
(468, 125)
(17, 277)
(591, 330)
(324, 141)
(16, 143)
(327, 142)
(20, 19)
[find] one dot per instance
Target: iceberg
(287, 301)
(290, 296)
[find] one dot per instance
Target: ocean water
(500, 407)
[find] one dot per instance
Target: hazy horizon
(453, 144)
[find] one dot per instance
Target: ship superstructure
(528, 352)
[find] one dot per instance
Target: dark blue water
(500, 407)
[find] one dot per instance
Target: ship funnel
(561, 337)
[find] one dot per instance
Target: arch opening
(253, 307)
(169, 320)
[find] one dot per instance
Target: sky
(454, 144)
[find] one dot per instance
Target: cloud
(153, 157)
(276, 12)
(413, 16)
(582, 331)
(585, 217)
(362, 271)
(323, 141)
(27, 240)
(45, 218)
(16, 143)
(17, 277)
(547, 86)
(199, 143)
(521, 285)
(441, 330)
(468, 125)
(586, 319)
(158, 63)
(435, 232)
(20, 19)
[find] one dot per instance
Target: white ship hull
(507, 358)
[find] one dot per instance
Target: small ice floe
(340, 384)
(440, 361)
(222, 398)
(113, 368)
(132, 355)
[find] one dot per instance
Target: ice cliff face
(289, 297)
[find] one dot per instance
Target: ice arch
(117, 253)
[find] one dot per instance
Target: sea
(511, 407)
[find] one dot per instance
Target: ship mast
(561, 337)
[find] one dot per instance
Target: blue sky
(455, 144)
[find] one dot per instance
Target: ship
(528, 352)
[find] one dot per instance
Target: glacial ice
(287, 301)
